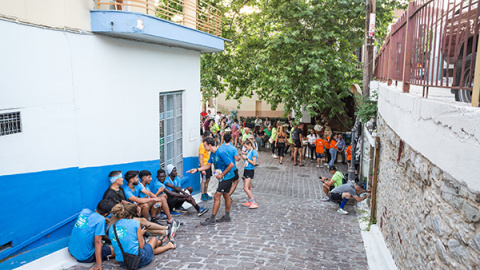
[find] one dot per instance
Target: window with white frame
(171, 149)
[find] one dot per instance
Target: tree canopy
(296, 52)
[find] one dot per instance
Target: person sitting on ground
(133, 190)
(177, 196)
(86, 241)
(331, 183)
(345, 192)
(157, 186)
(116, 194)
(145, 181)
(224, 164)
(130, 236)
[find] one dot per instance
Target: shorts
(297, 143)
(208, 173)
(146, 255)
(224, 186)
(235, 178)
(319, 155)
(249, 174)
(106, 252)
(335, 196)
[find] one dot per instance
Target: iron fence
(433, 44)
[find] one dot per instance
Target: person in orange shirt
(349, 155)
(328, 134)
(203, 157)
(333, 149)
(319, 149)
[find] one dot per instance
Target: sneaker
(247, 204)
(274, 156)
(224, 219)
(162, 216)
(208, 196)
(325, 199)
(204, 197)
(173, 213)
(208, 221)
(253, 206)
(202, 211)
(182, 209)
(341, 211)
(172, 228)
(318, 166)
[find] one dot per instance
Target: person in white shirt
(218, 117)
(312, 137)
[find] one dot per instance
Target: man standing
(177, 196)
(86, 241)
(223, 167)
(344, 192)
(203, 157)
(330, 183)
(233, 154)
(218, 117)
(297, 142)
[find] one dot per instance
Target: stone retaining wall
(429, 219)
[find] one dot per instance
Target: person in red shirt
(349, 154)
(319, 149)
(333, 149)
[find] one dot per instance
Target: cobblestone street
(291, 229)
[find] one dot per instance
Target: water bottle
(157, 205)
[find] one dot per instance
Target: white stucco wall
(73, 89)
(446, 133)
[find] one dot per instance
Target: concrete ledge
(446, 133)
(147, 28)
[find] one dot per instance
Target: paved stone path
(291, 229)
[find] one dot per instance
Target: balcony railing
(196, 14)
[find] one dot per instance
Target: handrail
(195, 13)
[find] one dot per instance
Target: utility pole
(368, 47)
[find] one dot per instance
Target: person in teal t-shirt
(224, 163)
(86, 241)
(130, 236)
(251, 158)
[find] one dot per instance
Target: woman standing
(130, 236)
(312, 137)
(333, 149)
(281, 138)
(250, 157)
(235, 132)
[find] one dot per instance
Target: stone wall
(429, 219)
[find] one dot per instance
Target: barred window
(10, 123)
(171, 119)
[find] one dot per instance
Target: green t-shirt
(337, 178)
(215, 128)
(290, 137)
(245, 137)
(267, 132)
(274, 134)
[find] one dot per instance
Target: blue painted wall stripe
(44, 204)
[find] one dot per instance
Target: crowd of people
(136, 206)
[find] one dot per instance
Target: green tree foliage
(296, 52)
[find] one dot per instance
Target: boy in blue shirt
(220, 157)
(86, 241)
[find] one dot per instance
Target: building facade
(87, 89)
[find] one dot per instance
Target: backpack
(345, 178)
(295, 135)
